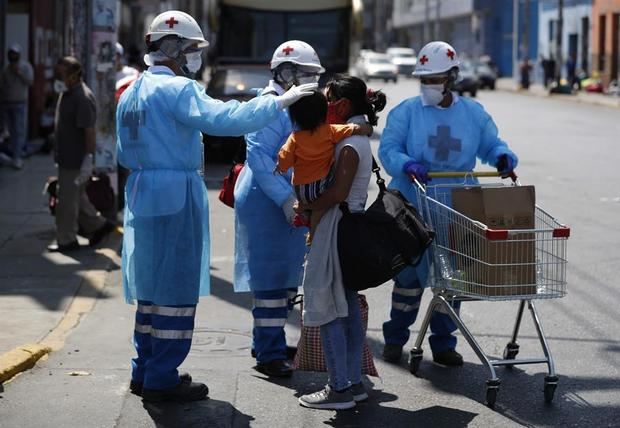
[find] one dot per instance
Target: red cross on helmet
(175, 23)
(297, 52)
(439, 58)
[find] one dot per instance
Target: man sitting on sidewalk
(75, 147)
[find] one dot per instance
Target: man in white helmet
(436, 131)
(269, 252)
(166, 242)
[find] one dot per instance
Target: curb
(24, 357)
(20, 359)
(574, 98)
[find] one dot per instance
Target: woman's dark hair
(363, 100)
(309, 112)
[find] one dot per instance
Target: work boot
(328, 398)
(135, 387)
(449, 358)
(276, 368)
(64, 248)
(291, 351)
(182, 393)
(392, 353)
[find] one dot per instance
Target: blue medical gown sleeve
(262, 151)
(491, 146)
(393, 147)
(194, 108)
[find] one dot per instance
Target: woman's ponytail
(376, 101)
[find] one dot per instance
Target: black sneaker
(449, 358)
(276, 368)
(101, 233)
(135, 387)
(392, 353)
(65, 248)
(182, 393)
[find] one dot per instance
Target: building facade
(605, 39)
(576, 30)
(473, 27)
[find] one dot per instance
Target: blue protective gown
(447, 139)
(166, 239)
(269, 252)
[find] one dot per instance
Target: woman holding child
(326, 302)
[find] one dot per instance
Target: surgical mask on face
(194, 61)
(60, 86)
(308, 78)
(432, 94)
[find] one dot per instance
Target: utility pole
(558, 47)
(526, 30)
(437, 17)
(427, 22)
(515, 39)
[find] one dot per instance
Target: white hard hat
(119, 49)
(297, 52)
(436, 58)
(175, 23)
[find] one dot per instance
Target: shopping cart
(460, 266)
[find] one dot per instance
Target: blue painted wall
(498, 17)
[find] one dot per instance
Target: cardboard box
(496, 267)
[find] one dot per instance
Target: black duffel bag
(375, 245)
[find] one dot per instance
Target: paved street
(568, 150)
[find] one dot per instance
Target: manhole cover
(222, 342)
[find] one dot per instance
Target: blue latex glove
(417, 170)
(504, 165)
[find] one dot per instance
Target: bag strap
(380, 180)
(344, 207)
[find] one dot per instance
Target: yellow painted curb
(19, 359)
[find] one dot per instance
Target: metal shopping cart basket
(463, 257)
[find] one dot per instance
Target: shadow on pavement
(203, 413)
(372, 416)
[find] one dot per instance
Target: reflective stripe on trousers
(270, 311)
(163, 338)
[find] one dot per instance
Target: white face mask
(432, 94)
(194, 61)
(59, 86)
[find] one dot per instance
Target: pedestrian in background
(74, 126)
(525, 69)
(15, 80)
(269, 252)
(166, 241)
(437, 131)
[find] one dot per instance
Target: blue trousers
(14, 115)
(270, 311)
(162, 337)
(406, 298)
(343, 343)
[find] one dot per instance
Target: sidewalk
(42, 295)
(510, 85)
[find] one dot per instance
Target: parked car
(403, 58)
(378, 66)
(486, 75)
(232, 82)
(467, 81)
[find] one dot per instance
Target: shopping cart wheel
(492, 390)
(551, 383)
(415, 356)
(510, 352)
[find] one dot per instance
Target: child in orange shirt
(310, 150)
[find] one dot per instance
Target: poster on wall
(103, 70)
